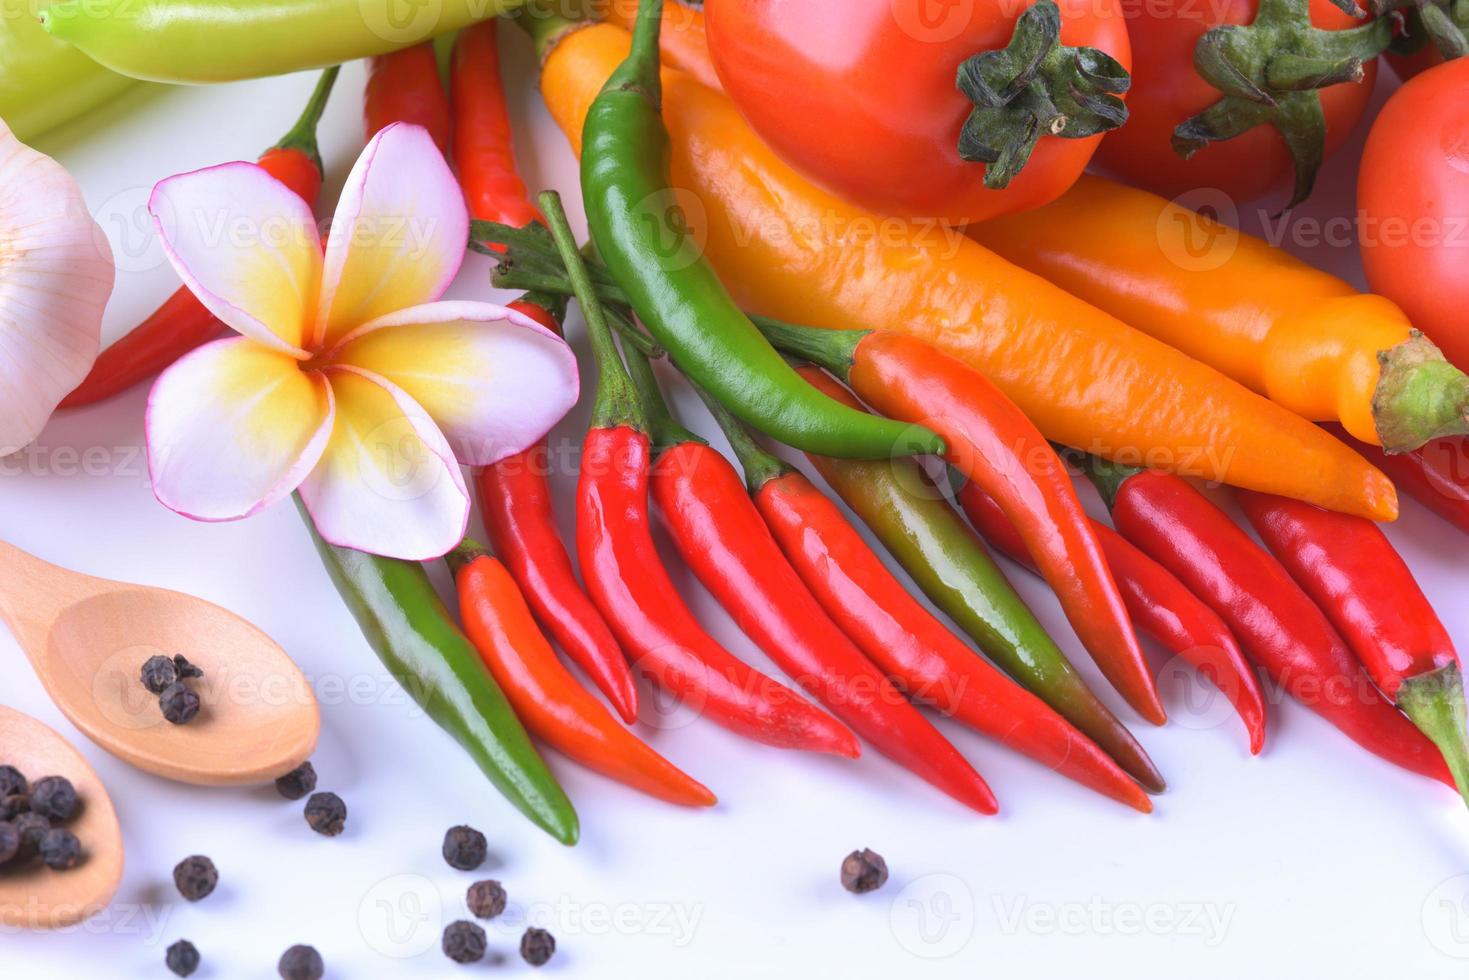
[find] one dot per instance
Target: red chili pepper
(723, 538)
(990, 441)
(404, 86)
(626, 578)
(547, 698)
(925, 659)
(1278, 625)
(1365, 588)
(1160, 605)
(1436, 474)
(483, 151)
(182, 323)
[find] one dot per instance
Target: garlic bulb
(56, 273)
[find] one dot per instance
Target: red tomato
(1167, 89)
(860, 95)
(1413, 202)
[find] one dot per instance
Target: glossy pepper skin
(1083, 377)
(683, 42)
(919, 528)
(645, 241)
(405, 86)
(989, 440)
(43, 82)
(1160, 606)
(625, 576)
(926, 661)
(724, 540)
(226, 40)
(1436, 475)
(182, 323)
(555, 708)
(1367, 591)
(796, 70)
(1302, 337)
(417, 640)
(1278, 625)
(515, 494)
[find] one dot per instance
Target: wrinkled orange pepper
(789, 250)
(1297, 335)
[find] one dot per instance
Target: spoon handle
(33, 593)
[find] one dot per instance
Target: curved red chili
(1278, 625)
(1160, 605)
(404, 86)
(483, 151)
(723, 538)
(182, 323)
(1435, 474)
(1365, 588)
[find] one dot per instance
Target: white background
(1313, 860)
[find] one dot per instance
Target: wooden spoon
(87, 639)
(36, 897)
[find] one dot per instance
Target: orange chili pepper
(1297, 335)
(545, 695)
(791, 250)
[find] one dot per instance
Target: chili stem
(1435, 703)
(302, 136)
(760, 466)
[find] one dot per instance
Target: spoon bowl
(36, 897)
(88, 639)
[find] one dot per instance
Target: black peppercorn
(12, 782)
(185, 669)
(60, 849)
(486, 899)
(31, 827)
(298, 782)
(55, 798)
(863, 871)
(182, 958)
(195, 877)
(464, 942)
(326, 813)
(301, 963)
(14, 805)
(157, 673)
(465, 848)
(179, 704)
(536, 946)
(9, 842)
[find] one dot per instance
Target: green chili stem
(617, 400)
(1106, 475)
(664, 427)
(302, 136)
(545, 27)
(834, 350)
(640, 71)
(760, 466)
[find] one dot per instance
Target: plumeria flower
(56, 274)
(349, 381)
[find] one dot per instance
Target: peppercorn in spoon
(33, 895)
(249, 717)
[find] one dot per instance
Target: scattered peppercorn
(536, 946)
(12, 782)
(55, 798)
(179, 704)
(864, 871)
(182, 958)
(301, 963)
(158, 672)
(185, 669)
(486, 899)
(31, 827)
(326, 813)
(298, 782)
(14, 805)
(464, 942)
(465, 848)
(195, 877)
(60, 849)
(9, 842)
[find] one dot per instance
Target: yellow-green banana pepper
(43, 82)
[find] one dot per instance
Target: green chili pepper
(226, 40)
(909, 515)
(644, 240)
(44, 83)
(417, 640)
